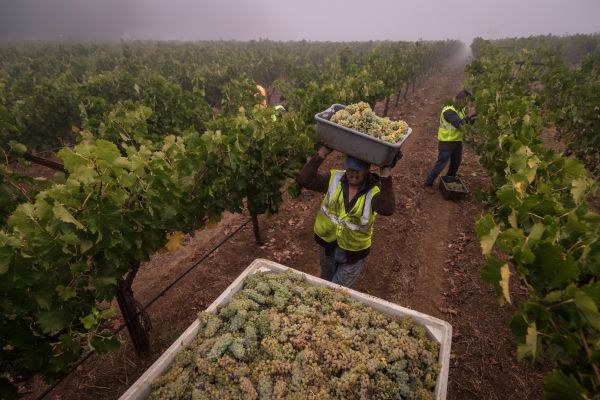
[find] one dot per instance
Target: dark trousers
(446, 151)
(336, 269)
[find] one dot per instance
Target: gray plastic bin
(437, 330)
(453, 194)
(355, 143)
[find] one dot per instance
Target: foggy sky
(335, 20)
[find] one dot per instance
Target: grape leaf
(52, 320)
(529, 348)
(558, 386)
(64, 215)
(487, 231)
(504, 282)
(578, 189)
(588, 307)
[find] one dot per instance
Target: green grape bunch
(296, 341)
(362, 118)
(455, 186)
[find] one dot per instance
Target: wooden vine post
(136, 320)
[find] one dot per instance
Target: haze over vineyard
(280, 20)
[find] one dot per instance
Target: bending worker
(450, 136)
(263, 95)
(344, 224)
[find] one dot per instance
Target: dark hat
(356, 164)
(463, 94)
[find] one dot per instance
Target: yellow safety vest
(352, 230)
(279, 109)
(447, 132)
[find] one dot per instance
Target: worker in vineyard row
(279, 108)
(262, 93)
(450, 136)
(344, 224)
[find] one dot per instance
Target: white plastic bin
(437, 329)
(355, 143)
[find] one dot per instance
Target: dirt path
(426, 257)
(416, 237)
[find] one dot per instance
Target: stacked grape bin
(436, 329)
(354, 143)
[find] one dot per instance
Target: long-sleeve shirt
(383, 203)
(454, 119)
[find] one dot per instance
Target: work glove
(397, 158)
(469, 119)
(324, 151)
(385, 170)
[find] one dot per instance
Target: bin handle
(329, 112)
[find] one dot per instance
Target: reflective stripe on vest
(333, 184)
(279, 109)
(348, 234)
(364, 219)
(448, 132)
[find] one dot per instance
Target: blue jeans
(451, 151)
(334, 268)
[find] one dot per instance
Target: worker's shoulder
(449, 109)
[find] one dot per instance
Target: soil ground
(426, 257)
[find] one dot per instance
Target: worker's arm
(456, 121)
(384, 202)
(310, 178)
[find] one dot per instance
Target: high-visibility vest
(352, 230)
(447, 132)
(279, 109)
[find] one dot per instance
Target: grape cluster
(280, 338)
(455, 186)
(361, 118)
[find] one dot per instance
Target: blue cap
(356, 164)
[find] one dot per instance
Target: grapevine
(539, 223)
(166, 138)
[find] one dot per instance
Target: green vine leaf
(588, 308)
(559, 386)
(53, 320)
(64, 215)
(89, 321)
(579, 188)
(553, 269)
(492, 273)
(487, 231)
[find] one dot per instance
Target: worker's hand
(385, 171)
(324, 151)
(471, 111)
(469, 119)
(397, 158)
